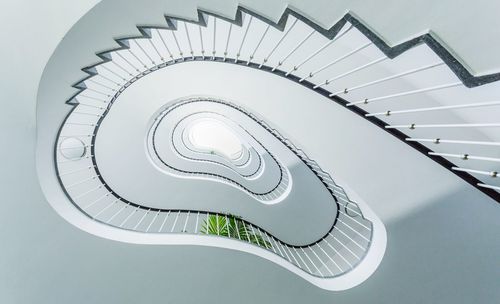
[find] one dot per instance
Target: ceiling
(47, 260)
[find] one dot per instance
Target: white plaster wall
(443, 245)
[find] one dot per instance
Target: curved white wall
(442, 242)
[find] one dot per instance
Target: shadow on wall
(425, 247)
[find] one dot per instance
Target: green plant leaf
(233, 227)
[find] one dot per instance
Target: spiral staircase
(194, 132)
(309, 56)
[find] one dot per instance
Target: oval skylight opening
(215, 137)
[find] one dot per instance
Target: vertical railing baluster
(165, 45)
(207, 224)
(175, 221)
(258, 44)
(142, 218)
(293, 257)
(320, 260)
(277, 247)
(117, 213)
(144, 52)
(217, 223)
(286, 254)
(201, 42)
(189, 41)
(215, 35)
(156, 49)
(255, 235)
(296, 67)
(153, 220)
(303, 262)
(178, 45)
(280, 62)
(270, 243)
(329, 257)
(106, 208)
(96, 201)
(227, 41)
(336, 252)
(227, 226)
(164, 221)
(186, 221)
(137, 58)
(243, 39)
(347, 248)
(113, 72)
(129, 216)
(121, 68)
(197, 219)
(291, 254)
(278, 43)
(307, 256)
(237, 228)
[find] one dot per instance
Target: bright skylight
(213, 136)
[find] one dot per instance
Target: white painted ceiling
(443, 242)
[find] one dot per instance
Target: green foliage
(233, 227)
